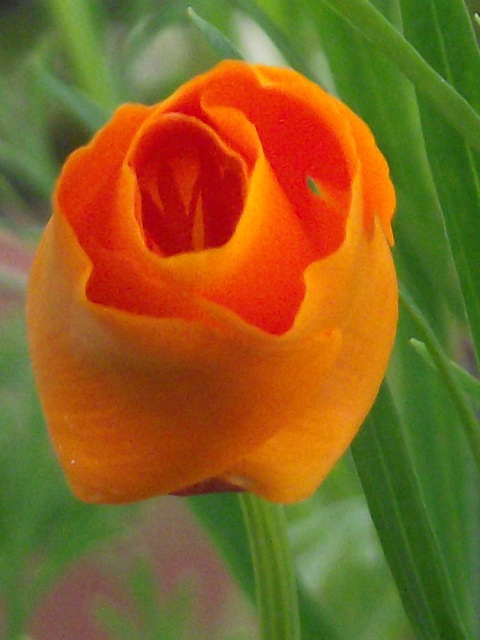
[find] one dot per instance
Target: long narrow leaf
(447, 42)
(219, 43)
(446, 100)
(465, 412)
(469, 383)
(79, 26)
(408, 538)
(367, 81)
(73, 100)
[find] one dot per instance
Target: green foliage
(445, 37)
(411, 70)
(405, 529)
(152, 619)
(469, 383)
(219, 43)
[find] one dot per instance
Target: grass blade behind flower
(404, 527)
(219, 43)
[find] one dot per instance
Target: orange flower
(214, 302)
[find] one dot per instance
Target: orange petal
(259, 274)
(306, 122)
(86, 191)
(253, 362)
(292, 464)
(139, 406)
(354, 289)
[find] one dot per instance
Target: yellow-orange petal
(354, 289)
(139, 406)
(292, 464)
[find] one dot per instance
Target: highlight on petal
(200, 317)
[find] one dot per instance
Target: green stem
(273, 568)
(362, 15)
(74, 19)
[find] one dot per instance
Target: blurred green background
(151, 571)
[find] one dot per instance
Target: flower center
(191, 185)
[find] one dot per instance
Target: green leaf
(283, 44)
(408, 538)
(79, 25)
(444, 36)
(367, 81)
(73, 100)
(446, 100)
(219, 43)
(465, 413)
(287, 14)
(443, 33)
(442, 459)
(469, 383)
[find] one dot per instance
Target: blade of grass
(469, 383)
(443, 35)
(446, 100)
(77, 22)
(446, 473)
(73, 100)
(219, 43)
(408, 538)
(464, 410)
(445, 38)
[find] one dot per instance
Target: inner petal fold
(192, 187)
